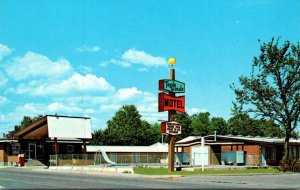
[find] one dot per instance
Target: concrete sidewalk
(116, 169)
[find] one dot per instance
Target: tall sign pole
(171, 138)
(171, 103)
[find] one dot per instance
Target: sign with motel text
(167, 103)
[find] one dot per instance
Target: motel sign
(167, 103)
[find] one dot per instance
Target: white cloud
(85, 48)
(140, 57)
(120, 63)
(4, 51)
(94, 100)
(3, 100)
(88, 111)
(148, 108)
(143, 69)
(85, 69)
(60, 108)
(37, 65)
(77, 82)
(127, 93)
(104, 63)
(31, 109)
(3, 79)
(111, 107)
(192, 111)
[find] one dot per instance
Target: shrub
(290, 164)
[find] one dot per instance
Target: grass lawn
(164, 171)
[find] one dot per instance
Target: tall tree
(155, 134)
(200, 123)
(273, 88)
(268, 128)
(26, 121)
(126, 127)
(242, 124)
(99, 137)
(219, 125)
(186, 128)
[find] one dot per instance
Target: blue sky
(91, 57)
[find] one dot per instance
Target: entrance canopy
(53, 126)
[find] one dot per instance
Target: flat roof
(8, 140)
(157, 147)
(220, 138)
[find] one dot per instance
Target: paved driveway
(21, 178)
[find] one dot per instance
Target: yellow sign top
(172, 61)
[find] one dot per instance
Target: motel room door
(32, 151)
(197, 154)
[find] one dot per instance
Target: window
(270, 153)
(293, 151)
(15, 148)
(70, 148)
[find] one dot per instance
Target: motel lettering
(167, 102)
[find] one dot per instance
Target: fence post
(56, 158)
(147, 158)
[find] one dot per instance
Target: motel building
(234, 150)
(51, 135)
(54, 140)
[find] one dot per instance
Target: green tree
(127, 128)
(26, 121)
(219, 125)
(99, 137)
(186, 128)
(200, 123)
(239, 125)
(273, 89)
(268, 128)
(155, 133)
(242, 124)
(148, 134)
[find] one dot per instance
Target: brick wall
(3, 157)
(251, 149)
(225, 148)
(12, 159)
(186, 149)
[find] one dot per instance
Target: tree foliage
(127, 128)
(218, 125)
(273, 89)
(186, 128)
(200, 123)
(26, 121)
